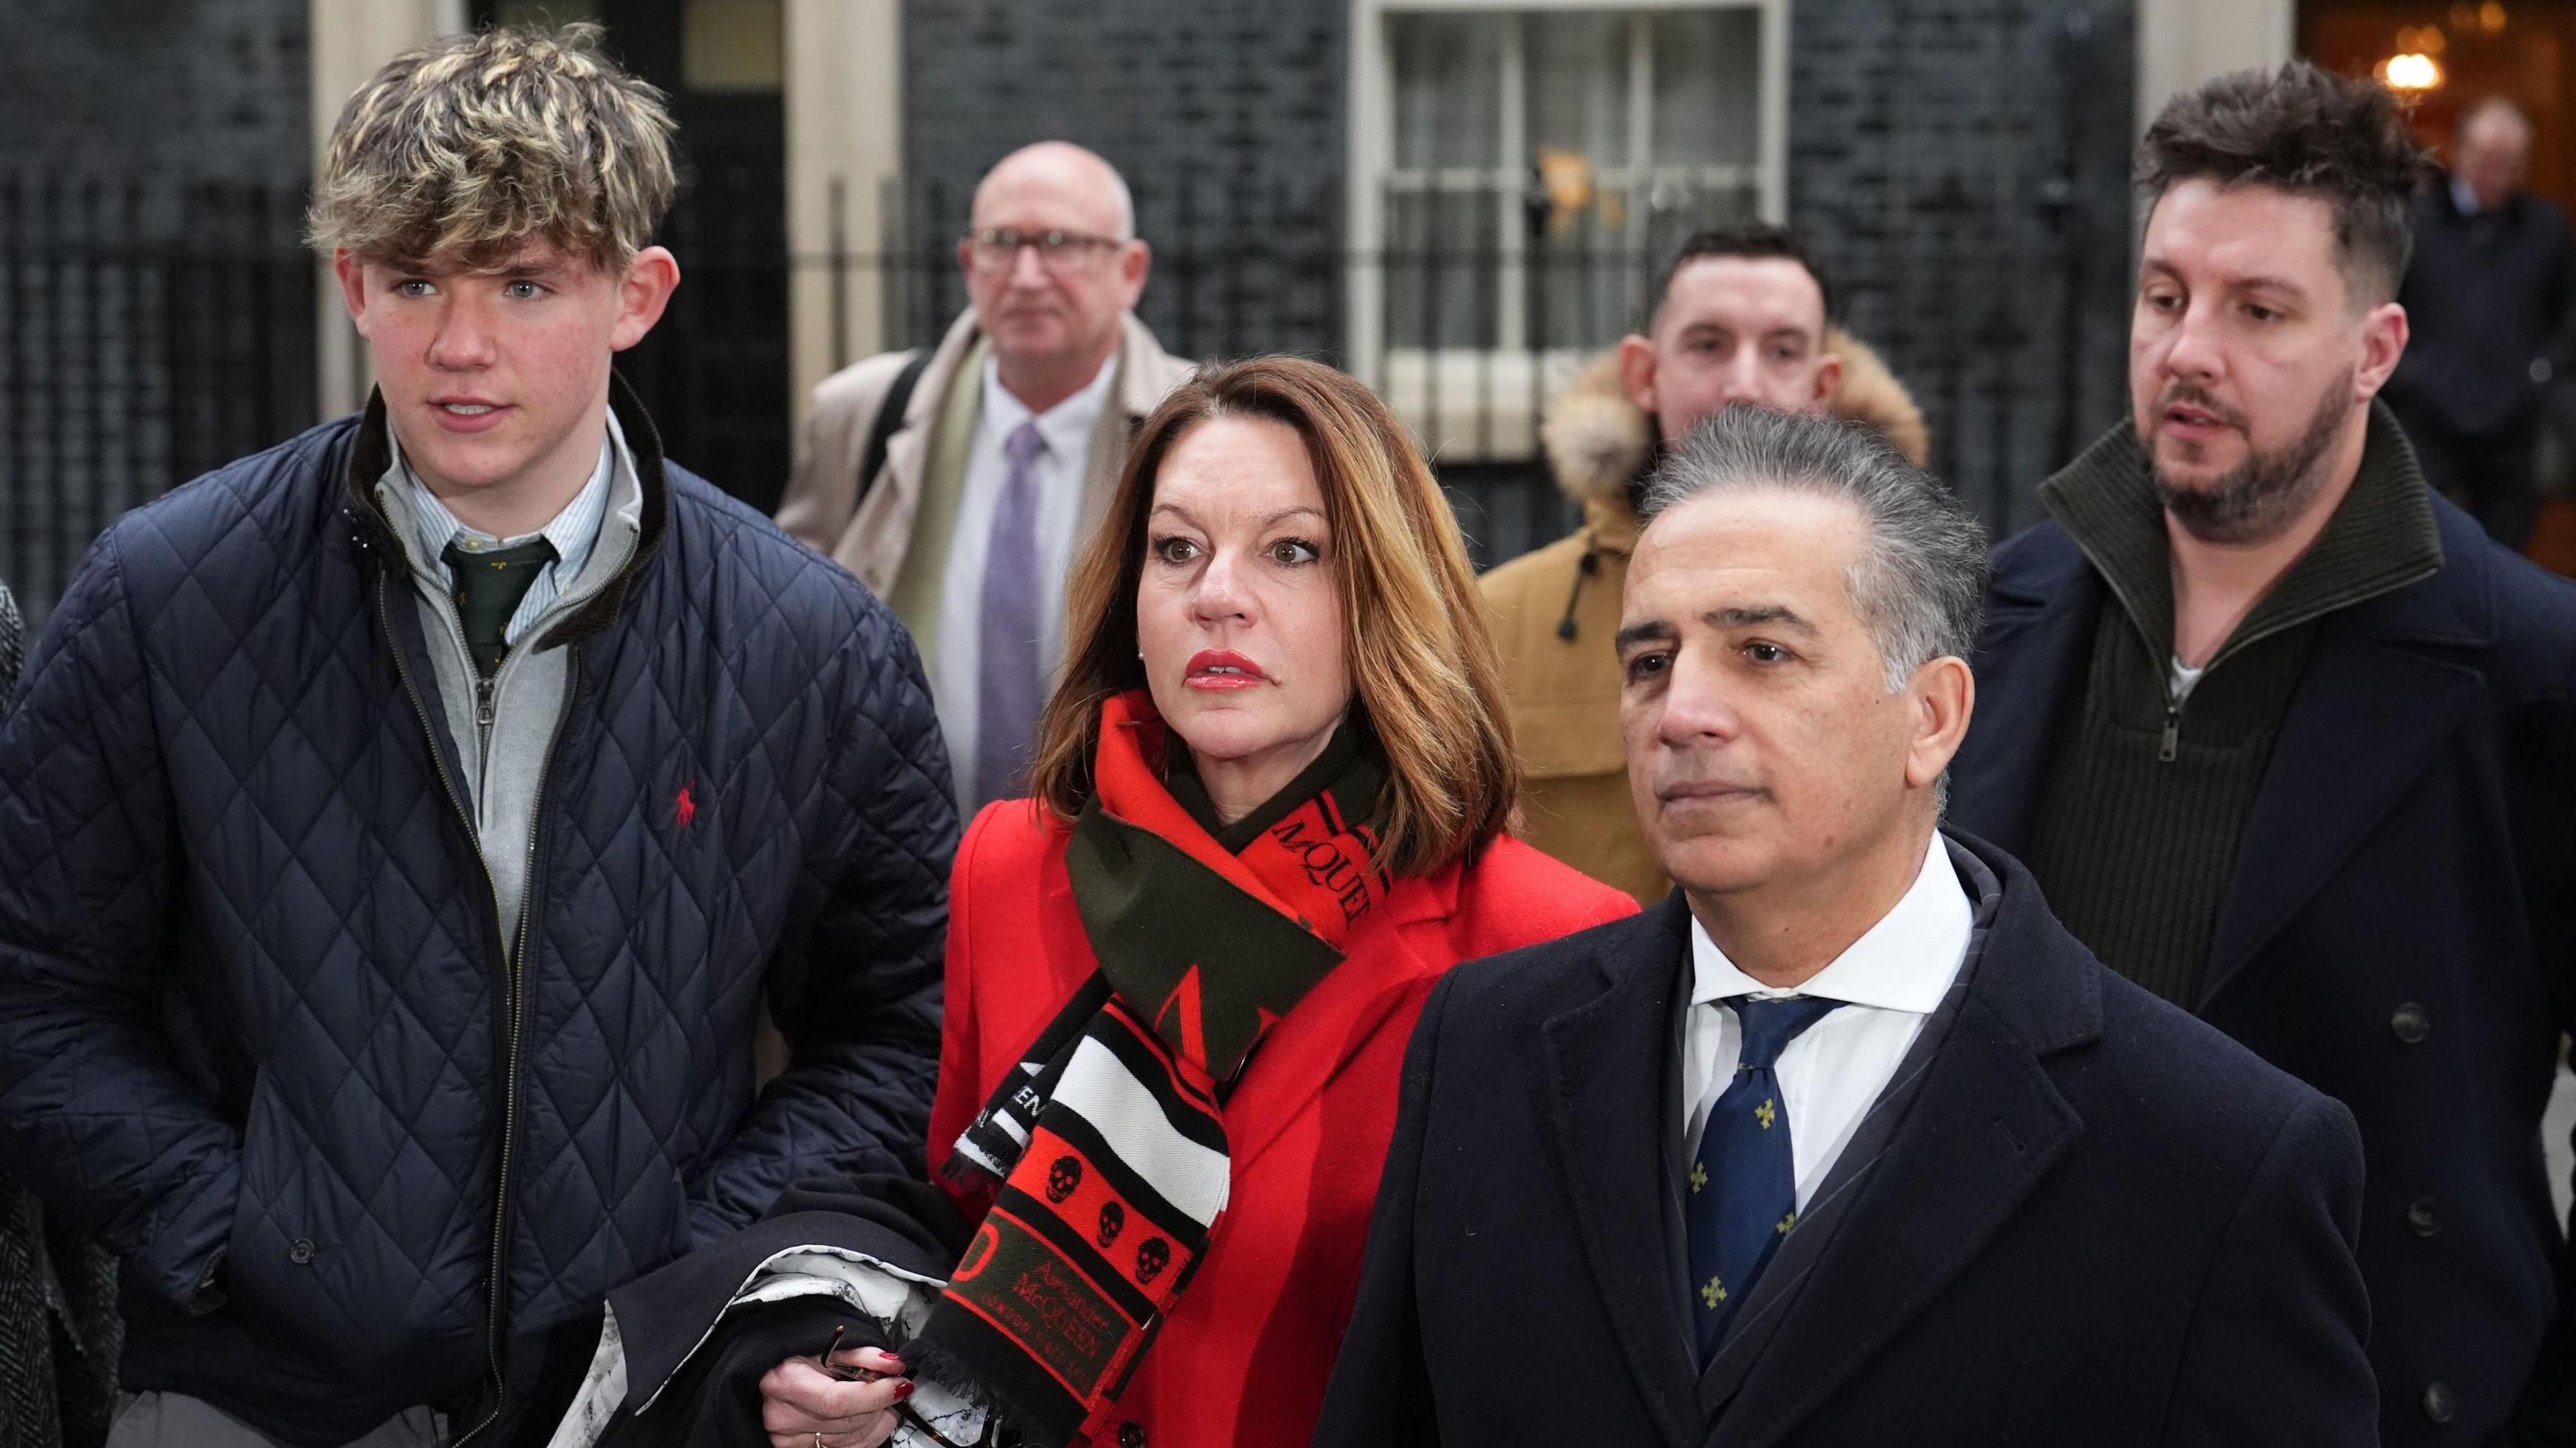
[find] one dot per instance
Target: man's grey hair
(1920, 582)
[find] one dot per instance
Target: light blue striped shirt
(574, 531)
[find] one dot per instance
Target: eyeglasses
(996, 247)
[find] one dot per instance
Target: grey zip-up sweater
(503, 736)
(2146, 793)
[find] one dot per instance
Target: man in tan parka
(1742, 318)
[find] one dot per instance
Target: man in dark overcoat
(2488, 300)
(2289, 741)
(1846, 1141)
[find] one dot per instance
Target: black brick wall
(214, 88)
(156, 307)
(1962, 167)
(1226, 116)
(1960, 164)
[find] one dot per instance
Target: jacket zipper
(484, 713)
(510, 969)
(2169, 743)
(518, 1014)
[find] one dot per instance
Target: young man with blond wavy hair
(404, 829)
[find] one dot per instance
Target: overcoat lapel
(1986, 1130)
(1604, 1086)
(2029, 665)
(2388, 682)
(880, 533)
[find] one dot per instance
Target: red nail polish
(895, 1362)
(902, 1391)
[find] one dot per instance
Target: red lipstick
(1222, 671)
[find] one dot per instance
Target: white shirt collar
(1065, 426)
(574, 531)
(1903, 963)
(2464, 198)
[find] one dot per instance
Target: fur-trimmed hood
(1596, 438)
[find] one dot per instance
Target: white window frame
(1476, 403)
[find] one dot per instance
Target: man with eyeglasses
(955, 482)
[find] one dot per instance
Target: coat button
(301, 1252)
(2439, 1405)
(1131, 1435)
(2412, 1023)
(2419, 1215)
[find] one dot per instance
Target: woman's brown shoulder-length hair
(1423, 666)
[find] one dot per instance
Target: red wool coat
(1244, 1358)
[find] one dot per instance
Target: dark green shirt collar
(2381, 538)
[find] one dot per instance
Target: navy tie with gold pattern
(1742, 1195)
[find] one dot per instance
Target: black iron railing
(152, 330)
(149, 331)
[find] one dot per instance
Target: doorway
(714, 373)
(2444, 56)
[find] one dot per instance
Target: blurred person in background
(2291, 742)
(58, 1325)
(954, 482)
(2488, 303)
(403, 829)
(1743, 316)
(1271, 795)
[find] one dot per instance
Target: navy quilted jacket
(253, 999)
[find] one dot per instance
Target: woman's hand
(802, 1406)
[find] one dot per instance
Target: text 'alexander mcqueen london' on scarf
(1108, 1139)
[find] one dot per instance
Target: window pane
(1448, 89)
(1442, 269)
(1708, 69)
(1582, 276)
(1578, 84)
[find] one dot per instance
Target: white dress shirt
(1058, 473)
(1893, 977)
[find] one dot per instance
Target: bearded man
(2288, 740)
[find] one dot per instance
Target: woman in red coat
(1270, 796)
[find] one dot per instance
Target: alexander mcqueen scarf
(1109, 1139)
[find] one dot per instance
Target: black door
(714, 373)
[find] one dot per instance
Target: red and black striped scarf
(1109, 1139)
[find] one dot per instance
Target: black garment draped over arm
(714, 1399)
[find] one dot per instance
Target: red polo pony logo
(685, 807)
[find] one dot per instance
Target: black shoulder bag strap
(889, 417)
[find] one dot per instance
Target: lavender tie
(1007, 694)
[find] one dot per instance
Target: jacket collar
(1143, 370)
(371, 453)
(2381, 538)
(1610, 526)
(2388, 680)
